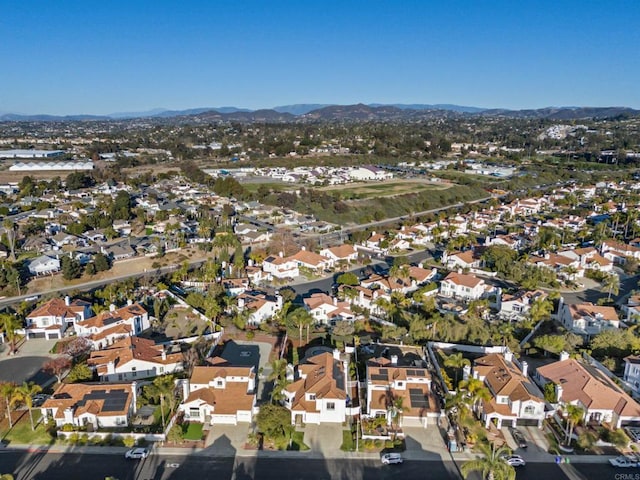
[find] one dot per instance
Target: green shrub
(129, 441)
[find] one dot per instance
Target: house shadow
(440, 465)
(241, 355)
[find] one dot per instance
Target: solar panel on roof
(418, 398)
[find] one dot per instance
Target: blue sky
(68, 57)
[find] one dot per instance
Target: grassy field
(362, 191)
(22, 433)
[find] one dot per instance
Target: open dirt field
(123, 267)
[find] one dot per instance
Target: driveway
(325, 439)
(424, 441)
(226, 440)
(24, 369)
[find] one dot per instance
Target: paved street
(54, 466)
(38, 466)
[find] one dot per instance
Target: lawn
(297, 443)
(22, 433)
(385, 189)
(194, 432)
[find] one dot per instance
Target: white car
(137, 453)
(391, 458)
(623, 461)
(515, 460)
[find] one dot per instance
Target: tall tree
(611, 285)
(10, 231)
(490, 464)
(457, 362)
(8, 390)
(26, 391)
(9, 323)
(573, 415)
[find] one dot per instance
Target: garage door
(223, 419)
(527, 422)
(37, 335)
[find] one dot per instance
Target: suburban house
(280, 267)
(132, 358)
(342, 253)
(633, 308)
(463, 286)
(52, 319)
(116, 323)
(618, 252)
(220, 394)
(464, 260)
(43, 265)
(515, 399)
(587, 319)
(577, 383)
(631, 374)
(325, 309)
(260, 305)
(311, 260)
(516, 306)
(91, 405)
(318, 391)
(365, 298)
(389, 384)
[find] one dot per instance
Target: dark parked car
(518, 436)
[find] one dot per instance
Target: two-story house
(220, 394)
(132, 358)
(116, 323)
(516, 306)
(392, 386)
(325, 309)
(52, 319)
(515, 399)
(463, 286)
(587, 319)
(276, 266)
(43, 265)
(342, 253)
(601, 399)
(260, 305)
(318, 390)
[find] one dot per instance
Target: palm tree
(491, 464)
(540, 309)
(8, 391)
(300, 319)
(8, 325)
(10, 230)
(278, 376)
(395, 409)
(26, 391)
(163, 387)
(611, 284)
(573, 414)
(456, 361)
(476, 391)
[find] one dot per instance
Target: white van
(391, 458)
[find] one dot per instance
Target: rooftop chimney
(112, 308)
(564, 356)
(67, 300)
(394, 359)
(134, 392)
(525, 368)
(508, 356)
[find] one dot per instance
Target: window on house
(331, 406)
(529, 410)
(400, 384)
(219, 383)
(312, 396)
(194, 412)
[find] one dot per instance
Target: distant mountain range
(329, 112)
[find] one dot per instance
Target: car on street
(515, 460)
(518, 436)
(137, 453)
(391, 458)
(623, 461)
